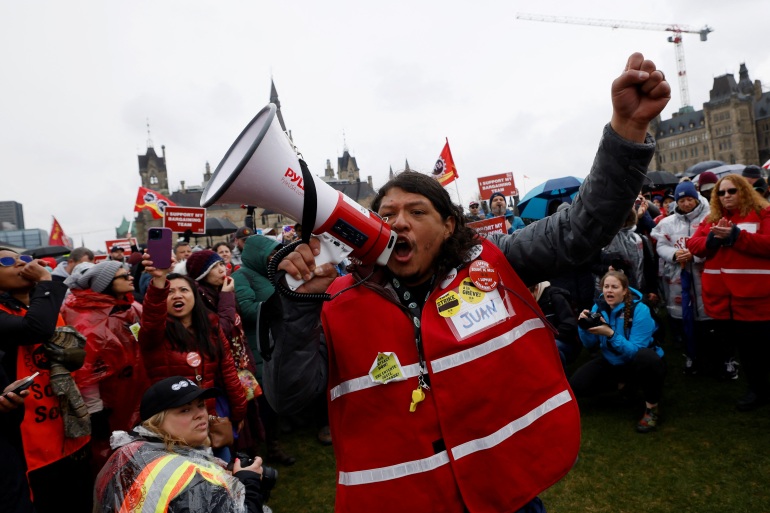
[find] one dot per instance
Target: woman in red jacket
(179, 336)
(735, 240)
(112, 380)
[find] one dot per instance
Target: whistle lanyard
(408, 299)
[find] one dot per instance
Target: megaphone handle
(331, 251)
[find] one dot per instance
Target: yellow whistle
(417, 396)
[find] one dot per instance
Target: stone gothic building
(733, 126)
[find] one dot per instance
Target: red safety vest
(499, 424)
(42, 430)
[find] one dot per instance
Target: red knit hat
(200, 263)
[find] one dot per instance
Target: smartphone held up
(159, 246)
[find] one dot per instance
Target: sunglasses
(732, 192)
(11, 261)
(475, 205)
(123, 277)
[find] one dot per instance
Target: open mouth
(178, 306)
(402, 250)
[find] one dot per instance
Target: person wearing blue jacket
(628, 353)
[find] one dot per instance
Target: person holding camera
(163, 464)
(621, 326)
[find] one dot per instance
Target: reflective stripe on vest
(445, 363)
(427, 464)
(162, 480)
(364, 382)
(736, 271)
(510, 429)
(488, 347)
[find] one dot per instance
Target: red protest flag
(445, 171)
(57, 237)
(156, 202)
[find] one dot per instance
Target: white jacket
(671, 234)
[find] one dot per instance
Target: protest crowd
(167, 388)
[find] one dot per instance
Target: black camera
(592, 320)
(269, 475)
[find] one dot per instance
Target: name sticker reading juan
(386, 368)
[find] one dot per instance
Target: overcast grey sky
(82, 77)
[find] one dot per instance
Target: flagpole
(459, 199)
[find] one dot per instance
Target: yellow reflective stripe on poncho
(163, 479)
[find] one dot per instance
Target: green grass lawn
(705, 457)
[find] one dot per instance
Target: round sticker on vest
(483, 275)
(448, 304)
(386, 368)
(470, 293)
(473, 253)
(193, 359)
(449, 279)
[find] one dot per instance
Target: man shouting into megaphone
(443, 381)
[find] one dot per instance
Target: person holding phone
(172, 435)
(29, 315)
(101, 307)
(13, 480)
(179, 336)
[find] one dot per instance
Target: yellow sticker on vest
(470, 293)
(448, 304)
(386, 368)
(135, 330)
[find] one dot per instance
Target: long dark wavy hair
(457, 245)
(628, 299)
(203, 335)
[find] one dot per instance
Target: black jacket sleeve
(569, 238)
(253, 490)
(39, 322)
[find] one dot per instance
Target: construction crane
(676, 38)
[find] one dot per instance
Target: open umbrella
(216, 227)
(706, 165)
(534, 204)
(659, 180)
(48, 251)
(728, 169)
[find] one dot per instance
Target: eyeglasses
(475, 205)
(122, 276)
(732, 191)
(10, 261)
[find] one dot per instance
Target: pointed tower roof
(274, 99)
(391, 176)
(406, 167)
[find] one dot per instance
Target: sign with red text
(123, 243)
(497, 183)
(487, 226)
(181, 219)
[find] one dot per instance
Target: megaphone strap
(310, 204)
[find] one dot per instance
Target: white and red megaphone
(262, 168)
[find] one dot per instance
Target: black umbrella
(660, 180)
(216, 226)
(700, 167)
(48, 251)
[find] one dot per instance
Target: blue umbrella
(535, 203)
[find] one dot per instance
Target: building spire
(274, 100)
(406, 167)
(344, 142)
(149, 137)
